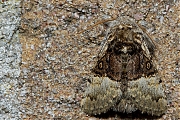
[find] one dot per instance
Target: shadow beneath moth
(126, 79)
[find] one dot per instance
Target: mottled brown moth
(126, 78)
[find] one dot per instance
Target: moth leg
(101, 95)
(148, 95)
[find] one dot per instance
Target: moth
(126, 79)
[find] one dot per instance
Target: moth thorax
(124, 49)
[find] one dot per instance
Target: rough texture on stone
(10, 58)
(44, 67)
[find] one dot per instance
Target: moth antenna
(100, 22)
(104, 42)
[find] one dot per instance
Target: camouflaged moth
(126, 77)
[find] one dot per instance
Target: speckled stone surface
(45, 63)
(10, 58)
